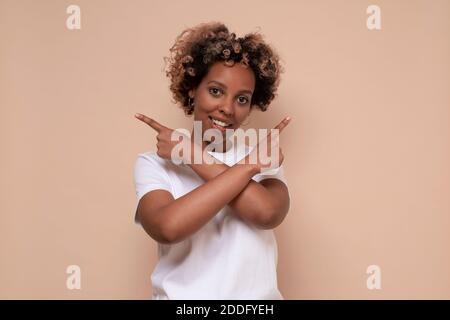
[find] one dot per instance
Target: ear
(192, 93)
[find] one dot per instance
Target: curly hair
(197, 48)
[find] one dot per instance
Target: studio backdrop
(367, 155)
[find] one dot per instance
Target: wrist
(251, 168)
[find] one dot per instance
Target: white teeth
(220, 123)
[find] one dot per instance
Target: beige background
(367, 152)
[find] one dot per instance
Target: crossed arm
(263, 204)
(169, 220)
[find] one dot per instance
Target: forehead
(237, 76)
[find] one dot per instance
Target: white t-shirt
(227, 258)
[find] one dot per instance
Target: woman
(213, 222)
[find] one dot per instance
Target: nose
(227, 109)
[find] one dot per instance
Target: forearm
(189, 213)
(253, 204)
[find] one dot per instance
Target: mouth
(219, 124)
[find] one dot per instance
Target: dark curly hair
(197, 48)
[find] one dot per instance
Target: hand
(165, 144)
(269, 146)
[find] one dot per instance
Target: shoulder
(151, 160)
(150, 156)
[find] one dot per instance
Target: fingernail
(137, 115)
(288, 118)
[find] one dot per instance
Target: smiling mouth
(219, 124)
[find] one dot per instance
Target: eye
(244, 101)
(214, 91)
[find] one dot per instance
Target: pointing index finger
(283, 124)
(151, 122)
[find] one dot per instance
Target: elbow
(166, 235)
(271, 219)
(265, 221)
(273, 214)
(161, 232)
(162, 238)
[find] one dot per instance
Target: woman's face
(223, 98)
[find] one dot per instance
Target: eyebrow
(222, 85)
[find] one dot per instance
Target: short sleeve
(277, 173)
(149, 174)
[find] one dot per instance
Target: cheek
(202, 108)
(242, 113)
(209, 104)
(206, 102)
